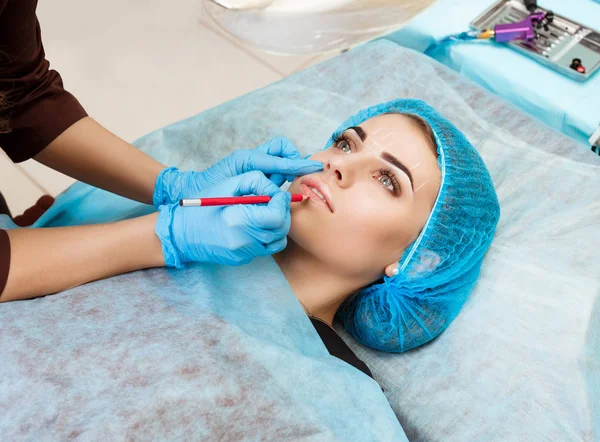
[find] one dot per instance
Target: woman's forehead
(398, 135)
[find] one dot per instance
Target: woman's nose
(342, 170)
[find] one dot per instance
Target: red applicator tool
(231, 200)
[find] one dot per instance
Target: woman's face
(379, 184)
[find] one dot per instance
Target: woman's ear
(392, 269)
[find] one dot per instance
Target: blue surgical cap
(439, 269)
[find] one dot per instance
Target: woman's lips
(317, 191)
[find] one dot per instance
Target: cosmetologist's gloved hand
(230, 235)
(278, 159)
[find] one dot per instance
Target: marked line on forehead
(384, 137)
(371, 141)
(418, 188)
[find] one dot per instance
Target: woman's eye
(387, 182)
(344, 146)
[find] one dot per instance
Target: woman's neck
(319, 289)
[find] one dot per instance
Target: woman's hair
(3, 120)
(426, 129)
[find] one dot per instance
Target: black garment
(37, 107)
(3, 208)
(337, 347)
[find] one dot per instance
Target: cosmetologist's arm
(50, 260)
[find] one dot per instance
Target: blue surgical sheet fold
(206, 353)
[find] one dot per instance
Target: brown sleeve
(4, 259)
(38, 109)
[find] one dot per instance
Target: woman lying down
(395, 231)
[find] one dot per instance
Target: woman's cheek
(374, 224)
(363, 201)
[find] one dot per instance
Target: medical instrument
(522, 31)
(232, 200)
(557, 42)
(311, 26)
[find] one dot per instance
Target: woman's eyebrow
(394, 161)
(360, 132)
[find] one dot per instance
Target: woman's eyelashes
(386, 177)
(343, 143)
(389, 181)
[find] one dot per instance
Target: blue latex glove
(278, 159)
(230, 235)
